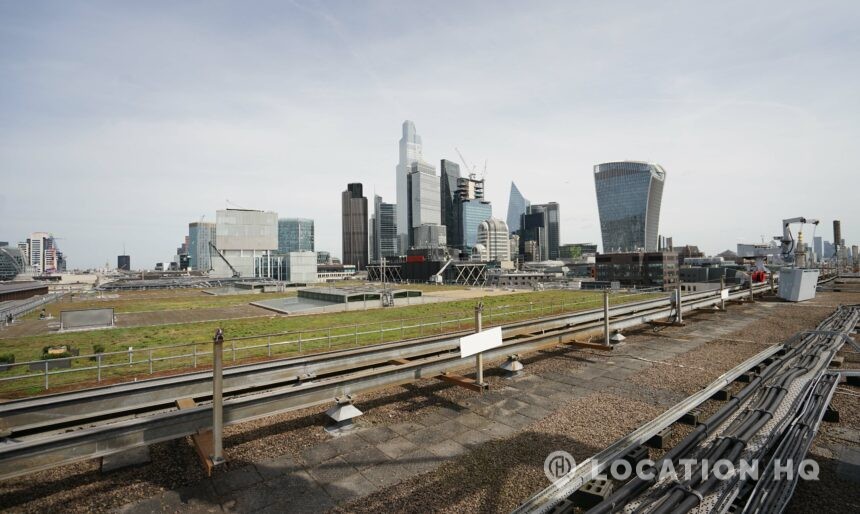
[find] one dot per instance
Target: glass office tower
(628, 200)
(517, 206)
(473, 212)
(295, 235)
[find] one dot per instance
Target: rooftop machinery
(796, 282)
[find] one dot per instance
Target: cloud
(123, 123)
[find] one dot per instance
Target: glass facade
(385, 228)
(295, 235)
(628, 200)
(11, 262)
(424, 198)
(473, 212)
(450, 176)
(199, 236)
(517, 206)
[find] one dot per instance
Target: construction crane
(472, 170)
(789, 243)
(213, 247)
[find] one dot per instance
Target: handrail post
(479, 357)
(217, 397)
(194, 351)
(269, 345)
(722, 298)
(606, 317)
(678, 304)
(99, 367)
(150, 361)
(46, 374)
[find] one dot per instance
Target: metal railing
(29, 306)
(170, 358)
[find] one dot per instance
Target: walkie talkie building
(628, 200)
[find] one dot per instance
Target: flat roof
(21, 286)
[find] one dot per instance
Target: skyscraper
(42, 253)
(295, 235)
(517, 206)
(448, 186)
(200, 234)
(354, 226)
(123, 262)
(385, 228)
(423, 204)
(628, 200)
(410, 152)
(549, 232)
(817, 243)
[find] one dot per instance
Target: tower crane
(472, 170)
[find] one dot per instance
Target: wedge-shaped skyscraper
(517, 205)
(628, 199)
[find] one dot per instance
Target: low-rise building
(638, 269)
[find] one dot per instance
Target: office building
(638, 269)
(576, 251)
(517, 208)
(424, 205)
(629, 194)
(429, 236)
(200, 234)
(450, 172)
(354, 226)
(12, 261)
(384, 228)
(548, 236)
(292, 267)
(472, 214)
(41, 253)
(323, 257)
(494, 238)
(123, 262)
(818, 247)
(241, 237)
(295, 235)
(410, 153)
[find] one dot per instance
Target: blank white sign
(477, 343)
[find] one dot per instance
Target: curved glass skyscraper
(628, 199)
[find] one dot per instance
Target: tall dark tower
(354, 226)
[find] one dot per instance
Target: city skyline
(142, 146)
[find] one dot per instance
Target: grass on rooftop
(278, 336)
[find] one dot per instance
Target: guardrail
(192, 355)
(30, 306)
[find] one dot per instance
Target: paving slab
(396, 447)
(366, 457)
(332, 470)
(348, 488)
(447, 449)
(377, 434)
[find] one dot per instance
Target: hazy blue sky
(120, 122)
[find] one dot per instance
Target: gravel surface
(832, 493)
(494, 477)
(501, 474)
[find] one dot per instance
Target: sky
(121, 122)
